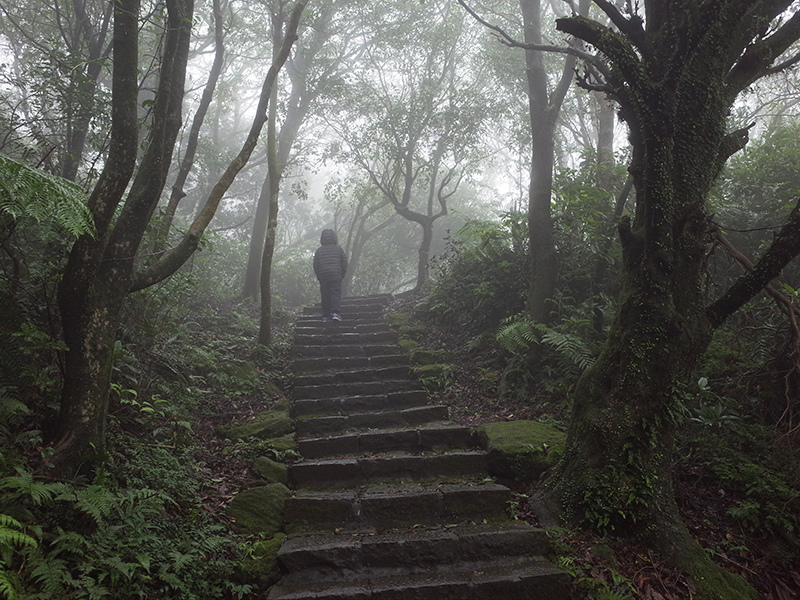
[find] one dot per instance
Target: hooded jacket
(330, 261)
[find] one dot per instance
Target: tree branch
(756, 61)
(784, 248)
(630, 27)
(173, 259)
(506, 39)
(617, 48)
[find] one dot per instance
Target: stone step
(398, 466)
(359, 404)
(394, 506)
(318, 327)
(431, 438)
(365, 306)
(411, 549)
(354, 388)
(339, 350)
(363, 314)
(335, 338)
(337, 424)
(354, 376)
(348, 363)
(520, 578)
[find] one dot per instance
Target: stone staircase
(390, 500)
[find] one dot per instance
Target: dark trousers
(331, 292)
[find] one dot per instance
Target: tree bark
(299, 103)
(174, 258)
(177, 194)
(544, 110)
(676, 81)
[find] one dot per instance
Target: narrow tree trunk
(273, 177)
(177, 194)
(423, 271)
(543, 110)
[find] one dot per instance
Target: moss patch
(259, 509)
(271, 471)
(520, 450)
(429, 357)
(261, 562)
(268, 424)
(397, 320)
(408, 345)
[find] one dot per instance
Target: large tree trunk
(675, 81)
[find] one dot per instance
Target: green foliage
(591, 578)
(106, 541)
(552, 355)
(32, 193)
(754, 470)
(481, 279)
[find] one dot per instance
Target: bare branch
(507, 40)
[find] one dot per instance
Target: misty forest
(566, 361)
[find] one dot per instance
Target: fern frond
(25, 191)
(571, 347)
(23, 486)
(7, 588)
(11, 533)
(519, 334)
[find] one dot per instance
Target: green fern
(11, 534)
(518, 334)
(28, 192)
(12, 538)
(8, 589)
(24, 487)
(570, 347)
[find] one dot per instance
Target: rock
(269, 470)
(397, 320)
(259, 509)
(268, 424)
(520, 450)
(284, 443)
(408, 345)
(261, 561)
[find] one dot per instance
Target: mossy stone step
(410, 417)
(397, 466)
(421, 548)
(348, 363)
(328, 350)
(434, 437)
(359, 404)
(356, 314)
(509, 579)
(395, 505)
(354, 376)
(341, 338)
(318, 327)
(366, 305)
(340, 390)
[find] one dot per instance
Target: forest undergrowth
(152, 523)
(737, 482)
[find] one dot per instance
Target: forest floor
(602, 568)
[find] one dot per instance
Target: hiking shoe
(336, 317)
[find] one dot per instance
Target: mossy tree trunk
(99, 268)
(675, 71)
